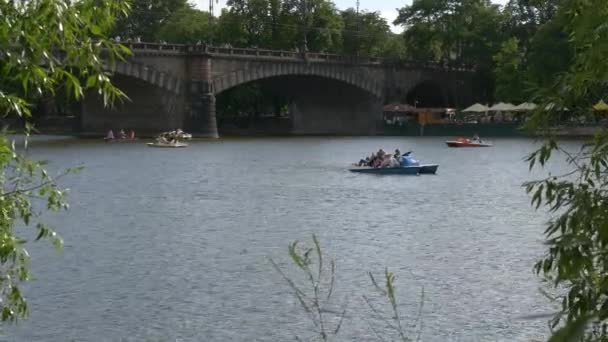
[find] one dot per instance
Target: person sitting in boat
(384, 162)
(476, 138)
(368, 160)
(132, 135)
(395, 160)
(122, 134)
(379, 158)
(397, 153)
(162, 139)
(381, 153)
(376, 161)
(389, 162)
(110, 135)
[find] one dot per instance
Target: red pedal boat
(464, 142)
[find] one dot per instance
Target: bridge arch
(348, 75)
(149, 75)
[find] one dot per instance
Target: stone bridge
(171, 86)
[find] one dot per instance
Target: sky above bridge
(386, 7)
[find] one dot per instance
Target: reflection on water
(173, 245)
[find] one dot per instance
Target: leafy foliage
(525, 17)
(577, 237)
(22, 180)
(365, 33)
(510, 83)
(146, 19)
(549, 53)
(47, 47)
(454, 32)
(320, 279)
(388, 291)
(315, 301)
(186, 26)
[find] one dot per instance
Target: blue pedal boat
(409, 166)
(428, 169)
(402, 170)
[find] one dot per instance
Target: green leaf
(125, 50)
(91, 81)
(96, 30)
(571, 332)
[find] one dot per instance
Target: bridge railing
(155, 46)
(292, 55)
(283, 54)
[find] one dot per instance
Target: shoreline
(142, 137)
(485, 130)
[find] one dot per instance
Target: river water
(174, 245)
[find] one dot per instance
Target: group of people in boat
(172, 137)
(120, 135)
(476, 139)
(382, 159)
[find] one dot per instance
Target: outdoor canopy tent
(601, 106)
(502, 107)
(525, 107)
(476, 108)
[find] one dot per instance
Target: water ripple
(175, 246)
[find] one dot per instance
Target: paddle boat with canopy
(171, 139)
(408, 165)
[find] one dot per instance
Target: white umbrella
(502, 107)
(476, 108)
(525, 107)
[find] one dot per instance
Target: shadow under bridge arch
(300, 104)
(155, 102)
(430, 94)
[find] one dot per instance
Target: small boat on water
(171, 139)
(464, 142)
(425, 169)
(121, 136)
(126, 140)
(406, 165)
(176, 144)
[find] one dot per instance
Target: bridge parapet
(285, 55)
(155, 46)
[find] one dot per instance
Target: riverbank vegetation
(577, 237)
